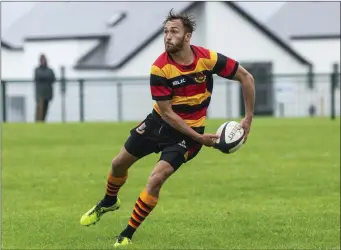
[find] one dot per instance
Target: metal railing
(119, 99)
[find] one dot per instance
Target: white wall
(142, 62)
(323, 53)
(59, 53)
(20, 64)
(12, 61)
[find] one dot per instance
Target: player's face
(175, 36)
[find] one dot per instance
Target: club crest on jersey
(141, 129)
(200, 77)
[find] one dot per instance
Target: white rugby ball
(231, 137)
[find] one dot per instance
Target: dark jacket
(44, 78)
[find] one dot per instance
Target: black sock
(108, 201)
(128, 232)
(113, 186)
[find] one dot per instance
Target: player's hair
(187, 20)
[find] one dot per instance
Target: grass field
(280, 191)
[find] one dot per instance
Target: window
(16, 109)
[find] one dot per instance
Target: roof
(5, 45)
(315, 20)
(273, 36)
(9, 46)
(84, 19)
(84, 63)
(117, 44)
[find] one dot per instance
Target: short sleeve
(225, 67)
(160, 90)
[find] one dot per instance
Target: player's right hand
(208, 139)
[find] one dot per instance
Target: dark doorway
(262, 73)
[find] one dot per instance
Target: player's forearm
(248, 88)
(179, 124)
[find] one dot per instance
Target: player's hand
(208, 139)
(246, 125)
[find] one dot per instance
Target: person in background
(44, 78)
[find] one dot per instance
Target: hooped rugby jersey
(189, 87)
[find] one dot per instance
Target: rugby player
(181, 83)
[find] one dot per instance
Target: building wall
(20, 64)
(12, 62)
(59, 53)
(322, 53)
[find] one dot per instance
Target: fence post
(228, 100)
(81, 100)
(4, 101)
(311, 77)
(62, 92)
(119, 101)
(281, 109)
(333, 77)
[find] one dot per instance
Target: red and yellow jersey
(189, 86)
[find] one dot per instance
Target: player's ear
(188, 36)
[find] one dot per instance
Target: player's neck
(184, 56)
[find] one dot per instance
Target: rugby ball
(231, 137)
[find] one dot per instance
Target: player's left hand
(246, 125)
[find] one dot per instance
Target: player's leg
(146, 201)
(136, 147)
(117, 176)
(171, 159)
(110, 202)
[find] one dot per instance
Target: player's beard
(176, 47)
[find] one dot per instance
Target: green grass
(280, 191)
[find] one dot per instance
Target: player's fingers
(211, 140)
(213, 136)
(209, 143)
(245, 137)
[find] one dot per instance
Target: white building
(11, 60)
(112, 40)
(313, 29)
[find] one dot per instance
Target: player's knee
(119, 163)
(123, 161)
(156, 180)
(155, 183)
(158, 177)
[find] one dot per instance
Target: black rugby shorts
(153, 135)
